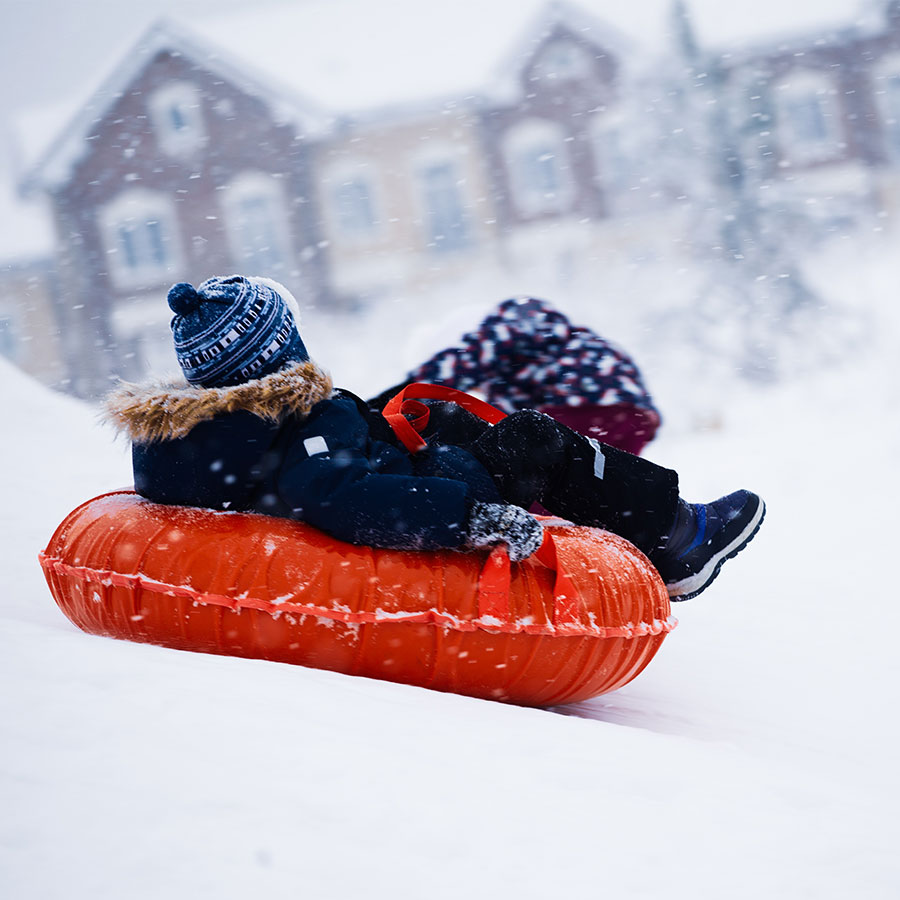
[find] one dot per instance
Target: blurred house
(815, 119)
(393, 158)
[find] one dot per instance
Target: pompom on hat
(231, 330)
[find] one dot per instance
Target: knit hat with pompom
(231, 330)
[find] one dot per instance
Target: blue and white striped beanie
(231, 330)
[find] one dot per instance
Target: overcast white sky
(48, 48)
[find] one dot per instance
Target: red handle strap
(494, 582)
(406, 403)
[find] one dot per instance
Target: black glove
(382, 399)
(502, 523)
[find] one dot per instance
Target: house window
(9, 344)
(614, 168)
(563, 61)
(887, 94)
(808, 118)
(177, 115)
(140, 234)
(142, 243)
(355, 212)
(537, 160)
(257, 223)
(351, 202)
(446, 223)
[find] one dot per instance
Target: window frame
(602, 126)
(339, 175)
(127, 214)
(888, 69)
(277, 257)
(464, 237)
(531, 200)
(10, 335)
(808, 84)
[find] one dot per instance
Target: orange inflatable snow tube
(583, 616)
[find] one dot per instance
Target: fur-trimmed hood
(159, 411)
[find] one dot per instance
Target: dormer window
(178, 119)
(563, 60)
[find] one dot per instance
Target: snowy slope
(754, 757)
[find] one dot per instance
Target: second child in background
(528, 355)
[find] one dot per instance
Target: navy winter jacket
(287, 445)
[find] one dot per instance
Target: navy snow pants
(532, 458)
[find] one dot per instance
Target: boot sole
(688, 588)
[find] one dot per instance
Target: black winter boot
(702, 538)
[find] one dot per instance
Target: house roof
(402, 52)
(316, 63)
(321, 59)
(52, 139)
(869, 19)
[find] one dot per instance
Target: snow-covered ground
(754, 758)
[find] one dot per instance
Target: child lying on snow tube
(528, 355)
(258, 427)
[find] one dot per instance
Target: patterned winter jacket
(289, 445)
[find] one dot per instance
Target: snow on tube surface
(583, 618)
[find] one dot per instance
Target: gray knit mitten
(501, 523)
